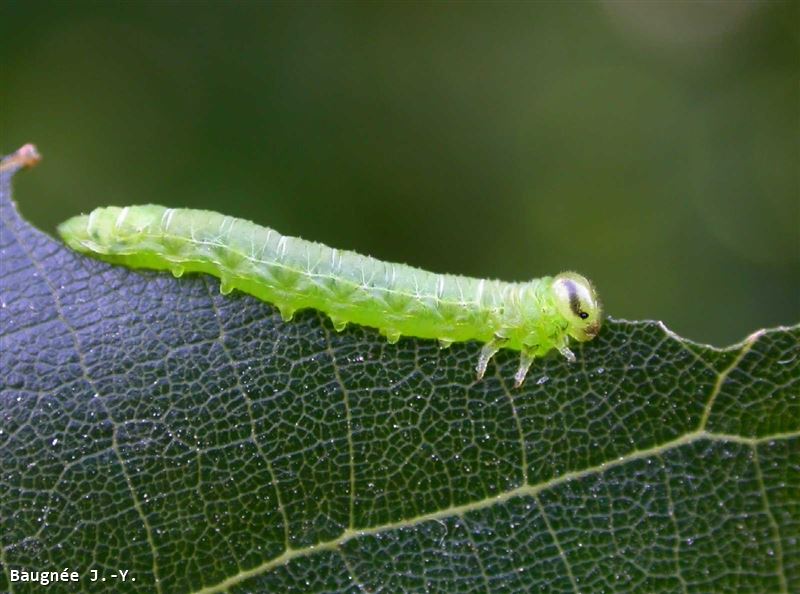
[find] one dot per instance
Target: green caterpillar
(531, 317)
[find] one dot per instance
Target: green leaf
(197, 441)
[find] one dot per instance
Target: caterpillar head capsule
(576, 300)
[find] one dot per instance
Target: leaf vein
(522, 491)
(774, 528)
(562, 555)
(87, 376)
(722, 377)
(349, 422)
(251, 418)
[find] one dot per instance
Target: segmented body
(295, 274)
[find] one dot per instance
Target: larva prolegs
(287, 312)
(392, 335)
(339, 324)
(226, 286)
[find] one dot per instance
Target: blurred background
(652, 146)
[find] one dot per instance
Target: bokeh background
(653, 146)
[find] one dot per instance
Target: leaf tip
(26, 156)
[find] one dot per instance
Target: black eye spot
(583, 315)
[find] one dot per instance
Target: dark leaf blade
(197, 441)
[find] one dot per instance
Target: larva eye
(576, 301)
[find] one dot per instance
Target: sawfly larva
(531, 317)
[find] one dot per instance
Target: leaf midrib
(527, 490)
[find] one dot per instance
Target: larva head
(577, 302)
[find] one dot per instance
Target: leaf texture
(195, 440)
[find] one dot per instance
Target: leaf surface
(152, 425)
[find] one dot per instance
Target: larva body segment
(532, 317)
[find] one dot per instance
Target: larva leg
(526, 357)
(487, 352)
(445, 343)
(568, 354)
